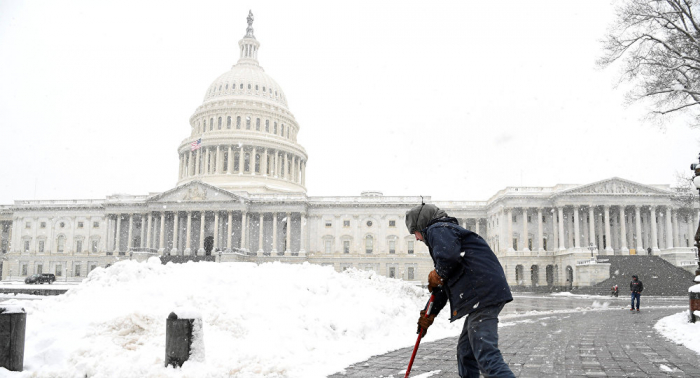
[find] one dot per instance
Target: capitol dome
(243, 136)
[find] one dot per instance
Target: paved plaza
(603, 340)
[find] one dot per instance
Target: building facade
(241, 196)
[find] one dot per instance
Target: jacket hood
(417, 218)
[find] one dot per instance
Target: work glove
(434, 280)
(424, 322)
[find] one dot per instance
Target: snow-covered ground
(269, 320)
(677, 328)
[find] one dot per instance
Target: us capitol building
(241, 196)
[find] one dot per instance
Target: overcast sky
(455, 100)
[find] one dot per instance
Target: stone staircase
(658, 276)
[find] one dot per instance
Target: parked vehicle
(40, 278)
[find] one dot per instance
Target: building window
(256, 87)
(515, 218)
(346, 246)
(225, 161)
(241, 86)
(219, 125)
(27, 224)
(328, 246)
(62, 224)
(61, 243)
(80, 224)
(267, 125)
(26, 246)
(274, 128)
(515, 244)
(24, 269)
(95, 224)
(42, 224)
(529, 220)
(257, 163)
(39, 269)
(392, 246)
(329, 223)
(392, 272)
(238, 122)
(529, 244)
(211, 124)
(369, 244)
(246, 162)
(543, 221)
(411, 273)
(228, 122)
(41, 246)
(369, 223)
(79, 246)
(248, 86)
(77, 271)
(392, 223)
(94, 245)
(236, 162)
(282, 128)
(410, 247)
(59, 268)
(257, 124)
(544, 244)
(93, 266)
(346, 223)
(247, 123)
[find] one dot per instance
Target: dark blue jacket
(472, 274)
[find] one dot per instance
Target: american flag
(196, 144)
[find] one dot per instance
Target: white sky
(455, 100)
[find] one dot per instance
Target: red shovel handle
(420, 336)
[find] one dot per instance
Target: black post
(13, 322)
(178, 340)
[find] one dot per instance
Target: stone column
(129, 242)
(216, 231)
(476, 225)
(562, 246)
(202, 224)
(555, 231)
(676, 229)
(261, 250)
(591, 225)
(176, 215)
(244, 221)
(302, 241)
(303, 174)
(148, 230)
(623, 232)
(654, 235)
(285, 171)
(161, 239)
(526, 235)
(219, 163)
(253, 160)
(143, 231)
(577, 233)
(188, 240)
(117, 246)
(669, 228)
(509, 242)
(608, 239)
(289, 233)
(638, 230)
(229, 229)
(274, 233)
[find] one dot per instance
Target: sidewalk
(606, 343)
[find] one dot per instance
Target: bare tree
(659, 43)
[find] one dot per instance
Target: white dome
(246, 80)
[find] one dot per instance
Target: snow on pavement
(677, 329)
(269, 320)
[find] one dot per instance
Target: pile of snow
(269, 320)
(677, 329)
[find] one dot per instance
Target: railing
(61, 202)
(591, 261)
(688, 263)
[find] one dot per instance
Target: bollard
(13, 322)
(178, 340)
(694, 295)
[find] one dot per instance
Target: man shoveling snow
(468, 274)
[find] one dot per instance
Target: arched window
(228, 122)
(274, 128)
(267, 125)
(233, 87)
(247, 123)
(241, 85)
(61, 243)
(219, 88)
(246, 162)
(257, 124)
(238, 122)
(219, 123)
(369, 244)
(211, 124)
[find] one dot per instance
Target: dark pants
(477, 348)
(636, 296)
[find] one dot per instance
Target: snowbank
(677, 328)
(270, 320)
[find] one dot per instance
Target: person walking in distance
(636, 287)
(469, 276)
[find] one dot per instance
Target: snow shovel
(420, 336)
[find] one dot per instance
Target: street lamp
(592, 248)
(696, 181)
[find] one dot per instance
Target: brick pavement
(595, 343)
